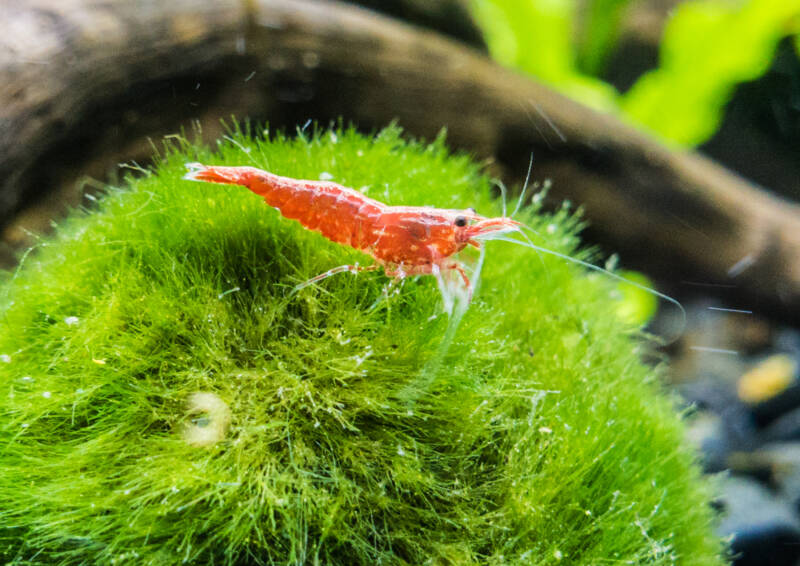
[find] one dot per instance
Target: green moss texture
(166, 399)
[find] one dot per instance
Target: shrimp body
(404, 240)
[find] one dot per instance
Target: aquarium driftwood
(450, 17)
(83, 83)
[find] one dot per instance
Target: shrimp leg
(341, 269)
(467, 283)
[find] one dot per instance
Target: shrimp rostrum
(403, 240)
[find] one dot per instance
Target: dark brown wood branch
(102, 75)
(450, 17)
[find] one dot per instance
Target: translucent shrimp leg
(341, 269)
(457, 267)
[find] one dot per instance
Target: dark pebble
(764, 530)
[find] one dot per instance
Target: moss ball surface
(167, 399)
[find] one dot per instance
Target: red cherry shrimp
(403, 240)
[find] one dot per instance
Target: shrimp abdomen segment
(339, 215)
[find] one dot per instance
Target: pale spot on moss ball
(47, 394)
(5, 358)
(71, 320)
(209, 418)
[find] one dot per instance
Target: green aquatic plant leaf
(165, 399)
(709, 46)
(536, 37)
(599, 30)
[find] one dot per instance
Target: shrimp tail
(212, 174)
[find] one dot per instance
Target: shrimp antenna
(503, 192)
(245, 150)
(528, 244)
(524, 188)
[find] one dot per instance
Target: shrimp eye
(461, 221)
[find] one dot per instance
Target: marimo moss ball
(167, 399)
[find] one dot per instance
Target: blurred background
(674, 126)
